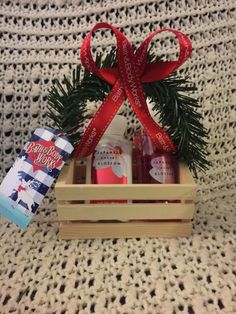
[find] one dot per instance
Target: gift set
(118, 181)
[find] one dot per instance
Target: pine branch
(180, 120)
(177, 110)
(67, 107)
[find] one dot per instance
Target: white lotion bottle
(111, 161)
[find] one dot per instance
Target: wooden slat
(63, 175)
(78, 230)
(70, 172)
(124, 211)
(65, 190)
(126, 192)
(185, 176)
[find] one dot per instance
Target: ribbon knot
(127, 79)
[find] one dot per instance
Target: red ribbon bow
(127, 80)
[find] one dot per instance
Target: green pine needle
(169, 98)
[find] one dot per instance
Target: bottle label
(33, 172)
(109, 165)
(162, 170)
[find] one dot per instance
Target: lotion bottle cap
(117, 126)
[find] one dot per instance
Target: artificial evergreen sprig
(67, 106)
(178, 115)
(177, 110)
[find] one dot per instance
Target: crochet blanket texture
(40, 41)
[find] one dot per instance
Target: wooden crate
(79, 219)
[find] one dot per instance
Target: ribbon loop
(127, 81)
(163, 68)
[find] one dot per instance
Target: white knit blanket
(40, 274)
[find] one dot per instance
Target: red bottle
(153, 165)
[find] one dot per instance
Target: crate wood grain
(77, 230)
(80, 219)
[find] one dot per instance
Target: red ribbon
(127, 80)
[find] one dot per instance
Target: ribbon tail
(100, 121)
(129, 72)
(159, 137)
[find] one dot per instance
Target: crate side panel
(73, 192)
(73, 230)
(124, 211)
